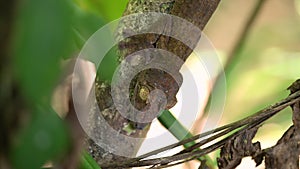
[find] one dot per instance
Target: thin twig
(252, 120)
(214, 146)
(234, 55)
(278, 106)
(221, 143)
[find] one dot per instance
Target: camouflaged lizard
(197, 12)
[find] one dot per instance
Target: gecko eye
(144, 93)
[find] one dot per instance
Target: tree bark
(198, 12)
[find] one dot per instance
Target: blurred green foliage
(84, 25)
(87, 162)
(108, 65)
(44, 139)
(109, 10)
(269, 63)
(45, 33)
(42, 38)
(87, 23)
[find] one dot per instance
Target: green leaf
(174, 126)
(108, 65)
(42, 36)
(110, 10)
(87, 162)
(85, 24)
(44, 139)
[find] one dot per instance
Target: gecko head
(159, 80)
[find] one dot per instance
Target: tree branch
(188, 154)
(195, 11)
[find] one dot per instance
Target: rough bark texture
(285, 154)
(197, 12)
(239, 147)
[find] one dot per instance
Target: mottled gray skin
(140, 84)
(133, 25)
